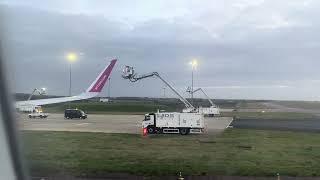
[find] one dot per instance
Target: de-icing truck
(168, 122)
(173, 122)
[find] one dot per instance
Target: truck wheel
(159, 131)
(150, 130)
(184, 131)
(41, 116)
(30, 116)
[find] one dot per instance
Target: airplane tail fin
(100, 81)
(94, 89)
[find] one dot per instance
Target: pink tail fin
(101, 80)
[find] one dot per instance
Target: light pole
(194, 64)
(71, 57)
(164, 92)
(109, 88)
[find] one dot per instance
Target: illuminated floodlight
(71, 57)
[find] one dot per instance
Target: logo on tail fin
(102, 79)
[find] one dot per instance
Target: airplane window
(232, 89)
(12, 165)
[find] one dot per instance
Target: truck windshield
(146, 118)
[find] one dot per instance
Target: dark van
(74, 113)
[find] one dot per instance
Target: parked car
(38, 115)
(74, 113)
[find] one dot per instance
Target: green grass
(234, 152)
(269, 115)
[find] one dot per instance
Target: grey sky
(246, 49)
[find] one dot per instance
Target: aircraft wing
(94, 89)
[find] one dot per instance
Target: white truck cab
(38, 113)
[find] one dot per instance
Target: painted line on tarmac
(229, 124)
(82, 124)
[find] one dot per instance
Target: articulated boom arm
(129, 74)
(200, 89)
(41, 92)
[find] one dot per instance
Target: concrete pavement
(104, 123)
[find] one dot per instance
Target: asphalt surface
(307, 125)
(312, 125)
(274, 107)
(104, 123)
(282, 108)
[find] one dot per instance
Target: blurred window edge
(12, 164)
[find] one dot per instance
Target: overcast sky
(246, 49)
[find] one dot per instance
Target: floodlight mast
(129, 74)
